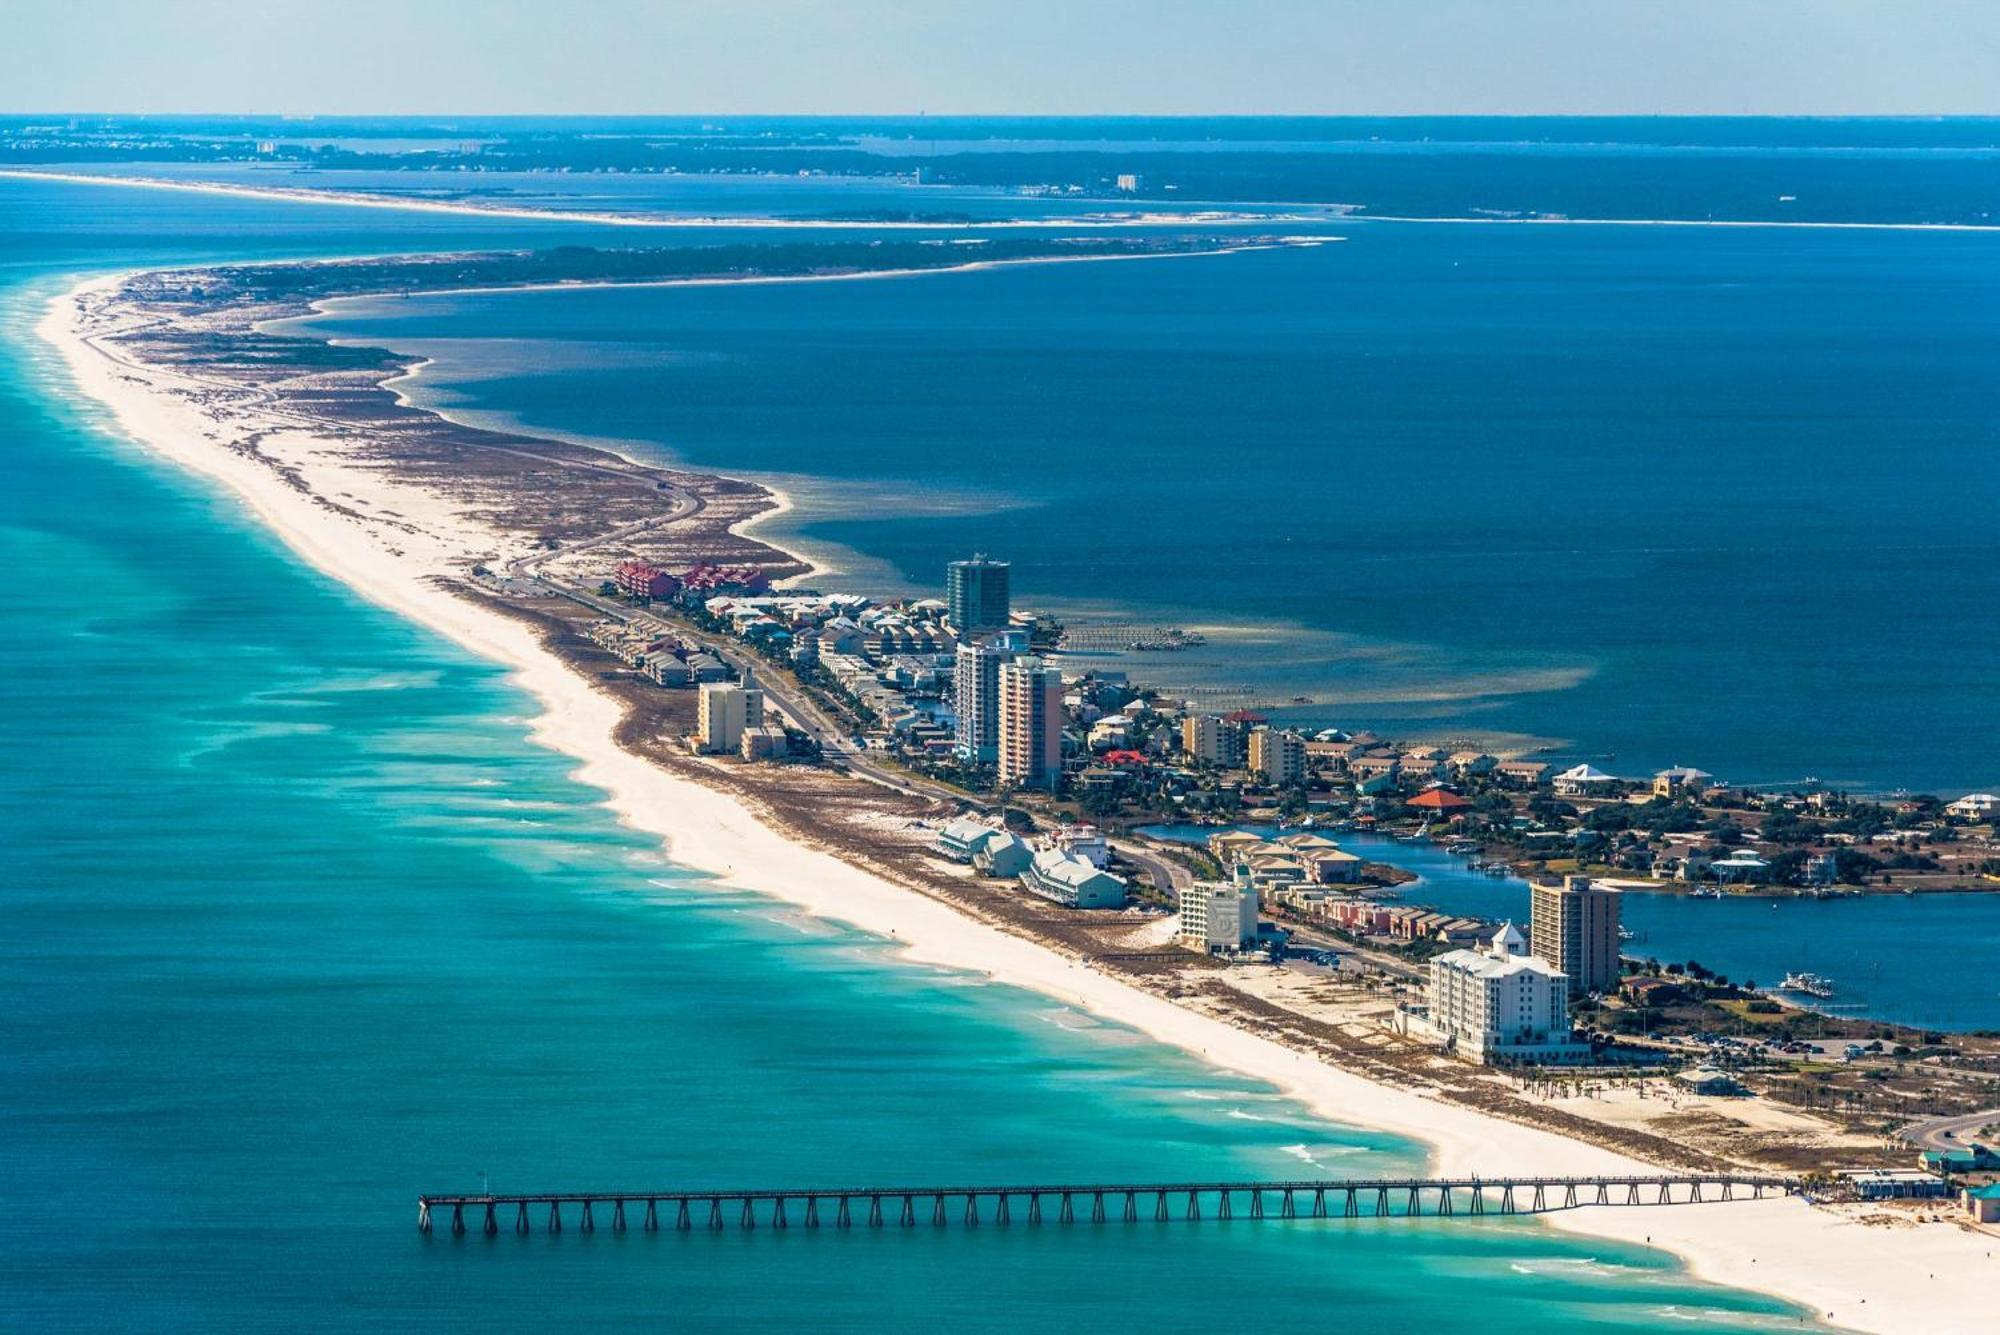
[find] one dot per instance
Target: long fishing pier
(1093, 1203)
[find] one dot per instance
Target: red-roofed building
(1439, 800)
(642, 579)
(1122, 758)
(710, 578)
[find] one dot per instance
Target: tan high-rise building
(1574, 926)
(1279, 756)
(1212, 740)
(726, 710)
(1031, 719)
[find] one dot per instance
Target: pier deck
(1076, 1203)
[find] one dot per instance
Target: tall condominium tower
(975, 693)
(1031, 721)
(1574, 926)
(976, 596)
(726, 710)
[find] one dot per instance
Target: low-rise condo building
(962, 839)
(1072, 882)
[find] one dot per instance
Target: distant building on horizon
(1031, 719)
(1573, 925)
(977, 596)
(643, 579)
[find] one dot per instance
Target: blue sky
(1003, 56)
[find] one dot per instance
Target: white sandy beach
(1936, 1280)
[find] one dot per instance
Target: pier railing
(1072, 1203)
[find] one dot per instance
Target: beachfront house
(1003, 857)
(1694, 865)
(1741, 866)
(1467, 763)
(1680, 781)
(1522, 773)
(1375, 767)
(1375, 785)
(960, 840)
(1974, 807)
(1584, 780)
(1082, 841)
(1708, 1080)
(1072, 882)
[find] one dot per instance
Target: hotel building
(1501, 1005)
(1218, 915)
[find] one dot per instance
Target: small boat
(1807, 984)
(1462, 848)
(1627, 934)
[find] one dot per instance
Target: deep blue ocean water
(294, 923)
(1655, 495)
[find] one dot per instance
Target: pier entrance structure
(1071, 1204)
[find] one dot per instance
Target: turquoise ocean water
(294, 923)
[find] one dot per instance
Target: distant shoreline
(1213, 216)
(356, 199)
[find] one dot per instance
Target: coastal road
(1949, 1133)
(1169, 877)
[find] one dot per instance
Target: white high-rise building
(1500, 1004)
(726, 710)
(975, 700)
(1218, 915)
